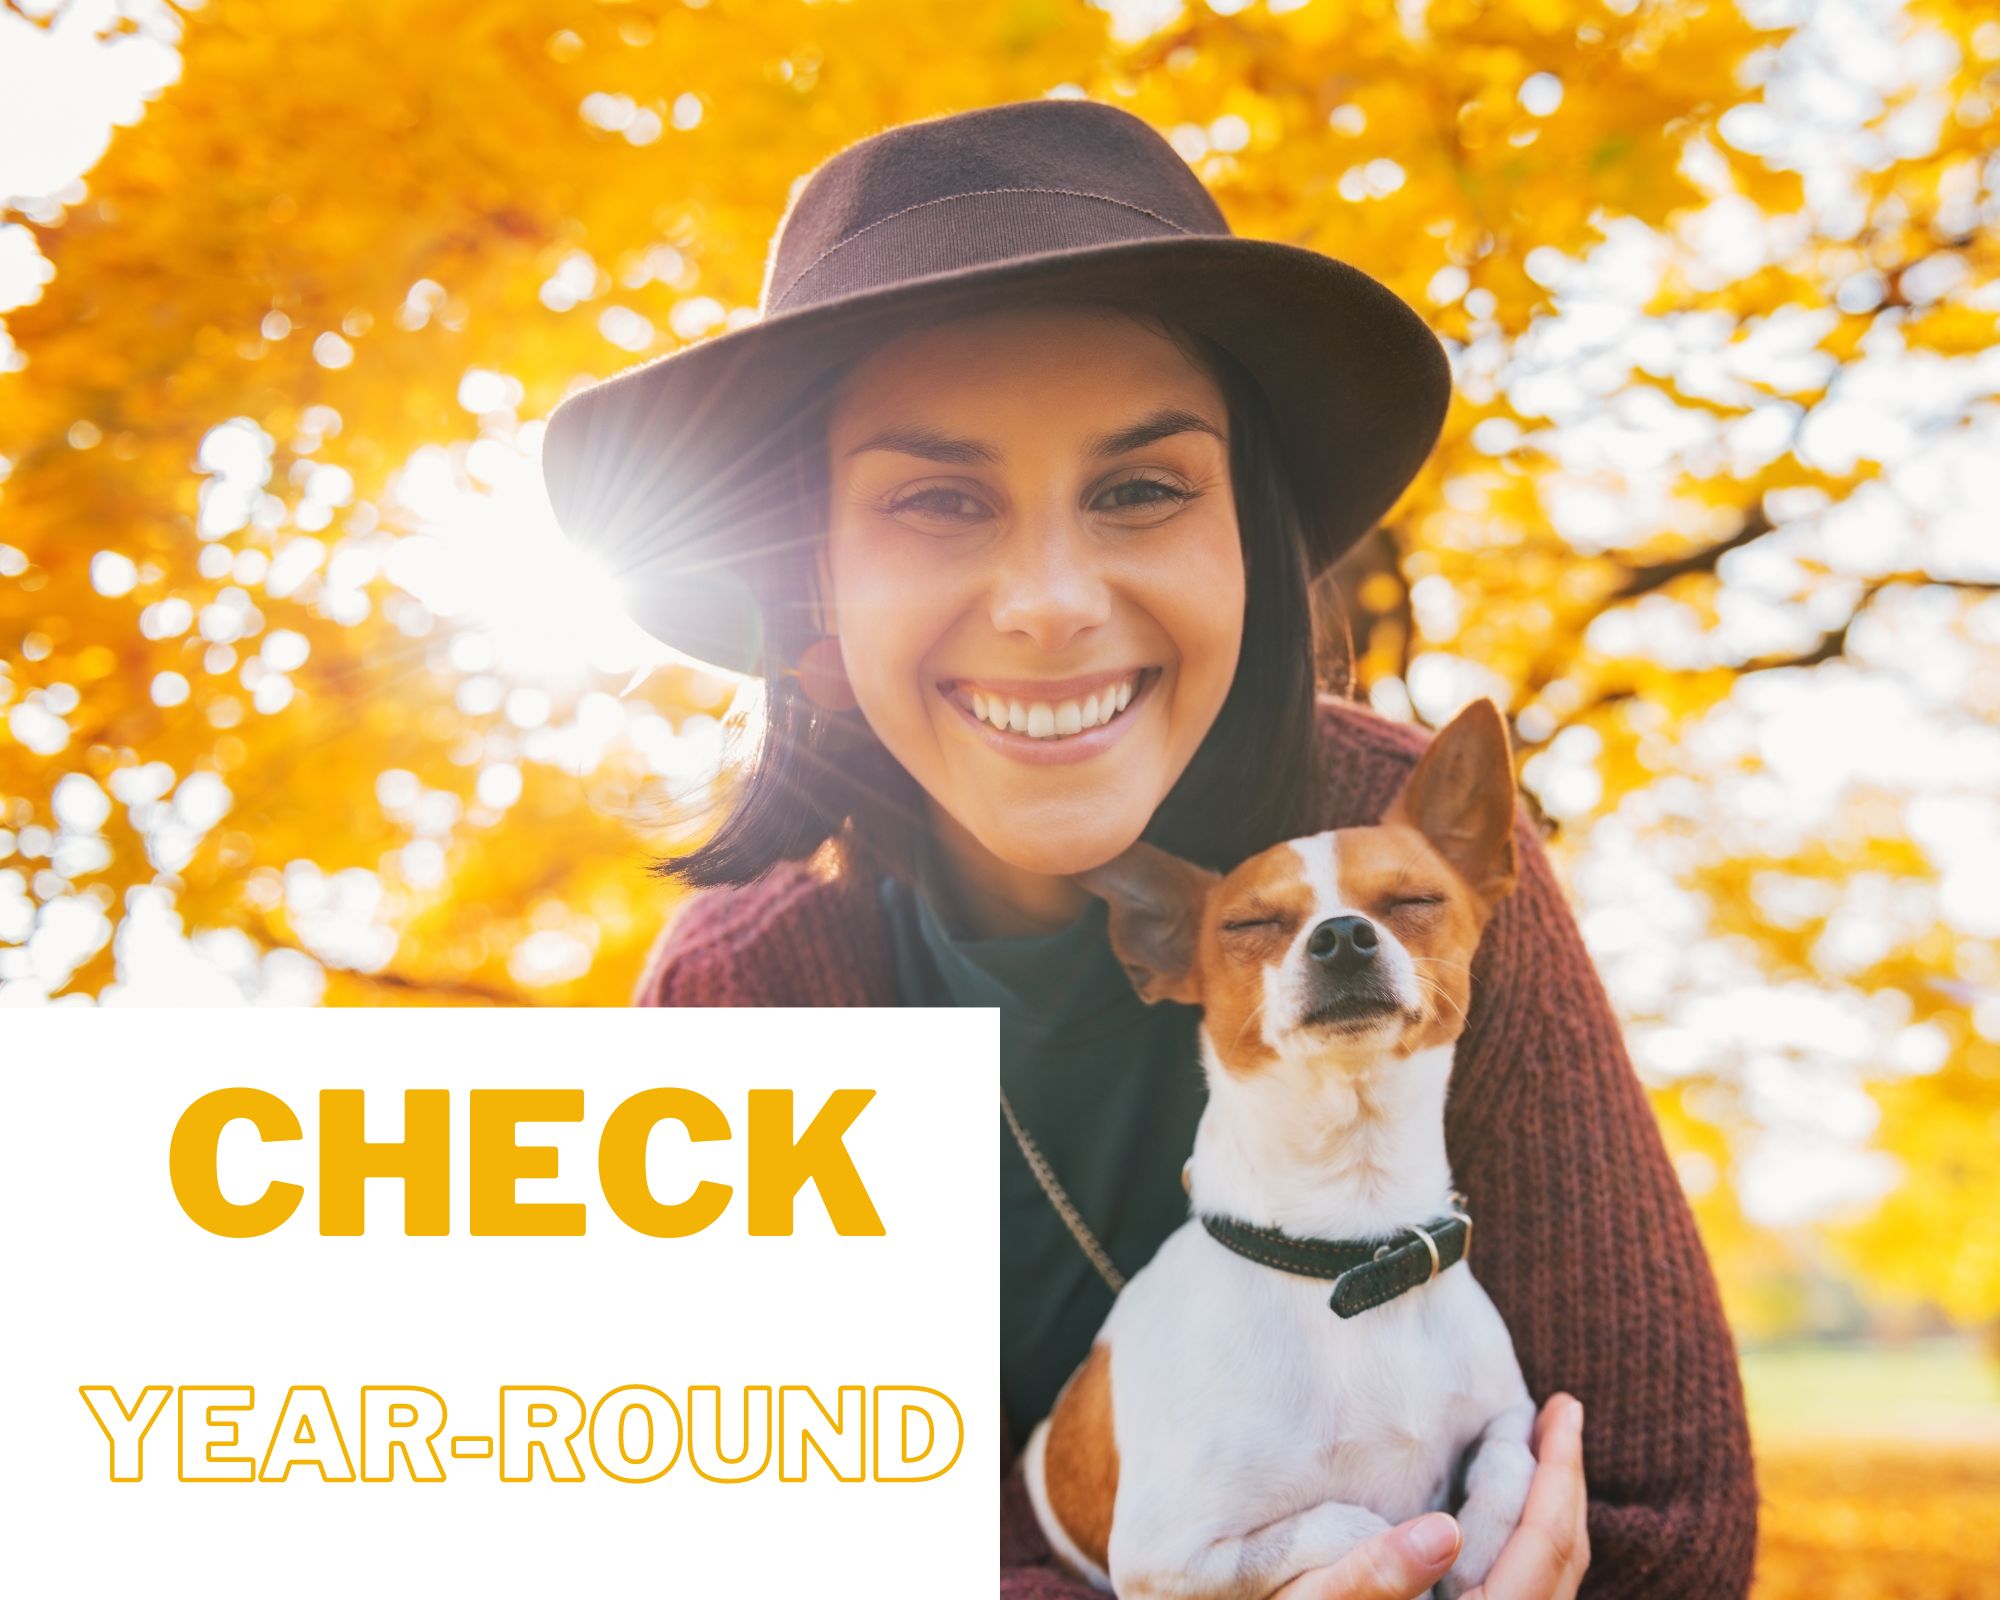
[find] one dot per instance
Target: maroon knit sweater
(1586, 1243)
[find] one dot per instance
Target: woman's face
(1034, 569)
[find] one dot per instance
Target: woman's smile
(1053, 719)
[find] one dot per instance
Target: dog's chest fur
(1373, 1410)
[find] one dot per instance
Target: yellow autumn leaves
(273, 562)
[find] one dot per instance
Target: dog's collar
(1365, 1272)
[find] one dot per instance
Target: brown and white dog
(1232, 1428)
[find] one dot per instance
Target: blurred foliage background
(302, 698)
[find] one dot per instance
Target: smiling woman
(1012, 542)
(1014, 495)
(1007, 550)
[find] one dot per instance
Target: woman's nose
(1049, 588)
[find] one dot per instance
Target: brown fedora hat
(671, 470)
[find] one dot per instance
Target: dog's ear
(1460, 796)
(1156, 902)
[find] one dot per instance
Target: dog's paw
(1455, 1583)
(1479, 1546)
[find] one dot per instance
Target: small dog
(1305, 1362)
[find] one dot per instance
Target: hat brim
(659, 468)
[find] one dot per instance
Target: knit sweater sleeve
(796, 937)
(1586, 1244)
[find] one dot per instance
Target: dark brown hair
(819, 776)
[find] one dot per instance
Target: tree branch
(1830, 645)
(1644, 579)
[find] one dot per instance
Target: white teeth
(1043, 719)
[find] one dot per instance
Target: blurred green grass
(1878, 1470)
(1923, 1389)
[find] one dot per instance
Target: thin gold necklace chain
(1045, 1175)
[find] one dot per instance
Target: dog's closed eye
(1415, 902)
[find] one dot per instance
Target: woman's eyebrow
(1160, 424)
(916, 439)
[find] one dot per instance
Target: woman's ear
(1156, 902)
(821, 671)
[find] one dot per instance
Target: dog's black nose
(1344, 943)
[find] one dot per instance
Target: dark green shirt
(1109, 1087)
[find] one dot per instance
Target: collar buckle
(1430, 1244)
(1461, 1209)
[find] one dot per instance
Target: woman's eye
(943, 501)
(932, 495)
(1166, 494)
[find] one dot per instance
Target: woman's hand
(1397, 1565)
(1549, 1551)
(1544, 1560)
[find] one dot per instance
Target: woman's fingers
(1545, 1559)
(1399, 1563)
(1547, 1555)
(1556, 1495)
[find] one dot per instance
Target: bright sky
(1777, 762)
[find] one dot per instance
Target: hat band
(936, 236)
